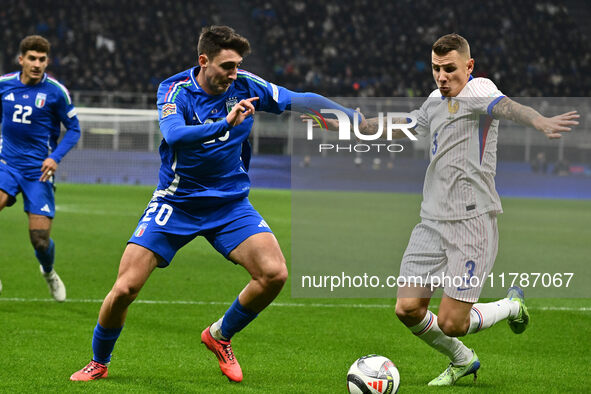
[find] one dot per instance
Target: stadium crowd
(348, 48)
(108, 44)
(370, 48)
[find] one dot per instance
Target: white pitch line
(276, 304)
(91, 211)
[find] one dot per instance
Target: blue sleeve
(303, 102)
(276, 99)
(174, 128)
(66, 113)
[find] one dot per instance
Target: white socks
(428, 330)
(485, 315)
(216, 330)
(481, 316)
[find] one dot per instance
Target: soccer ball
(373, 374)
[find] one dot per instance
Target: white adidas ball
(373, 374)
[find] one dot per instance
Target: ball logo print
(373, 374)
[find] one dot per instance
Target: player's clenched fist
(240, 111)
(48, 168)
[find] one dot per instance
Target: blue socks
(46, 257)
(103, 342)
(235, 319)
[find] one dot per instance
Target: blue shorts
(168, 225)
(38, 196)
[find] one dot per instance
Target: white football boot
(56, 286)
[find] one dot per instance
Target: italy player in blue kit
(205, 117)
(33, 107)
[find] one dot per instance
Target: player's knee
(275, 274)
(3, 200)
(125, 292)
(409, 312)
(281, 274)
(39, 239)
(452, 328)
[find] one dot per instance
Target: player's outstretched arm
(175, 130)
(333, 124)
(372, 125)
(522, 114)
(66, 113)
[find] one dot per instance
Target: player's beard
(35, 75)
(219, 86)
(224, 86)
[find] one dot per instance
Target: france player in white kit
(205, 117)
(32, 108)
(458, 234)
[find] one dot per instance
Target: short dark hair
(34, 43)
(215, 38)
(451, 42)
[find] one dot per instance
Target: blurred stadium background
(112, 55)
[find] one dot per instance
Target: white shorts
(456, 255)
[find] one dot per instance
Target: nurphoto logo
(393, 122)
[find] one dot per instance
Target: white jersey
(459, 183)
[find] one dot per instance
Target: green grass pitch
(295, 346)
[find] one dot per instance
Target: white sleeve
(484, 95)
(422, 118)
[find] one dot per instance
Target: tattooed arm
(372, 125)
(552, 127)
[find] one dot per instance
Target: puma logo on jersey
(46, 208)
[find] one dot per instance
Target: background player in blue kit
(33, 106)
(205, 117)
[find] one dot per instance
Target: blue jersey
(202, 156)
(31, 117)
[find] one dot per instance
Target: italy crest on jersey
(40, 100)
(141, 229)
(230, 103)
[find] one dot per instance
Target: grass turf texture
(296, 346)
